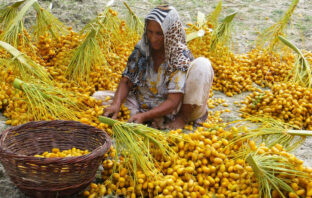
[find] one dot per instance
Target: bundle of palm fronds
(47, 22)
(26, 68)
(270, 35)
(85, 55)
(89, 52)
(7, 14)
(48, 102)
(111, 30)
(14, 32)
(212, 18)
(271, 132)
(270, 171)
(222, 34)
(135, 141)
(97, 22)
(301, 72)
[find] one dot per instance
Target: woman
(162, 82)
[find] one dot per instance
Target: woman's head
(164, 30)
(155, 35)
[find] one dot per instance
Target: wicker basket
(52, 177)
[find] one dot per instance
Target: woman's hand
(112, 111)
(138, 118)
(121, 94)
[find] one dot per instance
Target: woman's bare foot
(182, 118)
(178, 123)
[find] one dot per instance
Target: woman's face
(155, 35)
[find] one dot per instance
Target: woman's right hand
(112, 111)
(120, 95)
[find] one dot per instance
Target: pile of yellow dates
(204, 166)
(74, 152)
(288, 102)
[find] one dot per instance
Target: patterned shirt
(152, 88)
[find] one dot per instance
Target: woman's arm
(165, 108)
(125, 85)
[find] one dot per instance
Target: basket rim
(42, 160)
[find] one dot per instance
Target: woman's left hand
(138, 118)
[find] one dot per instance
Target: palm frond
(14, 32)
(301, 72)
(134, 22)
(269, 37)
(223, 33)
(136, 140)
(212, 18)
(84, 57)
(270, 131)
(47, 22)
(26, 67)
(7, 14)
(48, 102)
(268, 170)
(89, 52)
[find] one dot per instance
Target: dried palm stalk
(301, 72)
(269, 36)
(96, 22)
(109, 30)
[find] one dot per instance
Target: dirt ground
(253, 17)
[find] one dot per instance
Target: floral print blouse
(152, 88)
